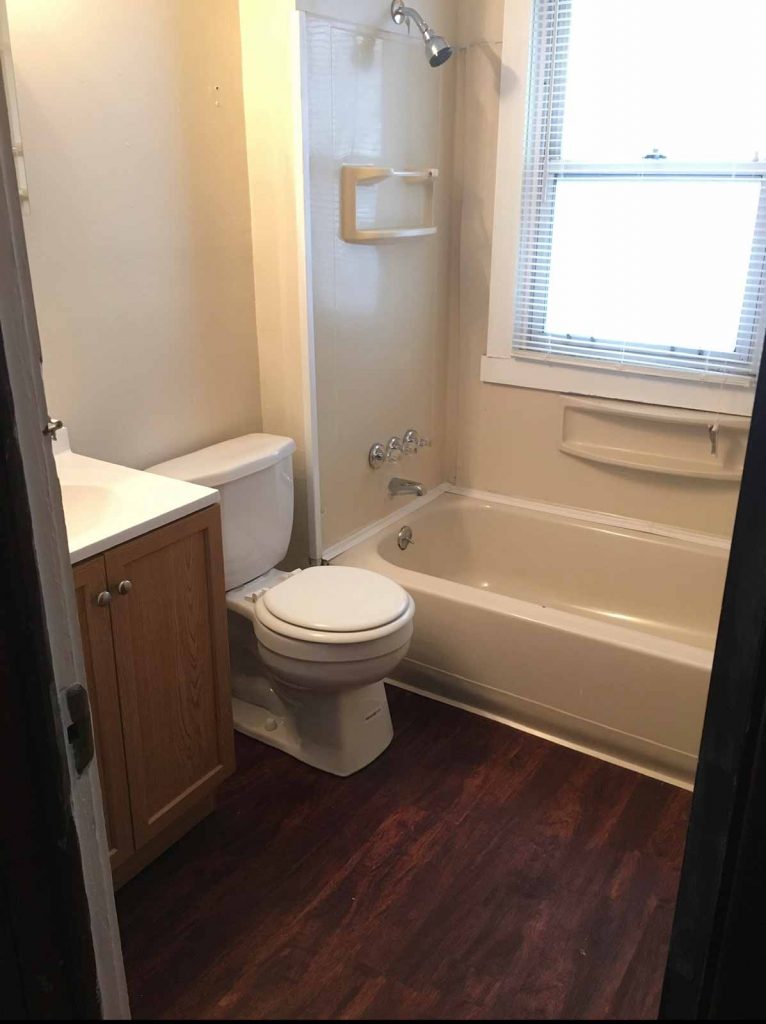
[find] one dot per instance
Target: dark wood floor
(472, 872)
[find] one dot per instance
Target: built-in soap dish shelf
(677, 442)
(354, 175)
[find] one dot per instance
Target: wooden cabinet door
(172, 658)
(96, 630)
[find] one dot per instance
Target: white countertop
(106, 505)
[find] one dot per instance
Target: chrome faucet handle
(394, 449)
(412, 441)
(376, 455)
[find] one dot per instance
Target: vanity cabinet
(153, 621)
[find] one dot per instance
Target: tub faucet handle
(412, 441)
(394, 449)
(376, 455)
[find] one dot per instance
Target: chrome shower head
(438, 50)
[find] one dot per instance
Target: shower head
(438, 50)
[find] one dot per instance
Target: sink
(106, 504)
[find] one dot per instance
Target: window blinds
(643, 229)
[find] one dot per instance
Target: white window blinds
(643, 234)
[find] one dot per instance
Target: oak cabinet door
(96, 631)
(169, 628)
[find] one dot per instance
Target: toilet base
(339, 733)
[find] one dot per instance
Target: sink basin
(86, 505)
(106, 505)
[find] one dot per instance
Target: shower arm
(400, 14)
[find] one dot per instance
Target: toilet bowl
(310, 650)
(327, 638)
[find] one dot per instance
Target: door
(98, 652)
(171, 650)
(66, 939)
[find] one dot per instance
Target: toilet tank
(254, 475)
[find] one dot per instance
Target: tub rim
(609, 519)
(616, 635)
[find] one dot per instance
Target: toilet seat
(363, 647)
(336, 599)
(263, 617)
(335, 605)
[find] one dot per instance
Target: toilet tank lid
(230, 460)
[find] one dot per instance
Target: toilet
(310, 650)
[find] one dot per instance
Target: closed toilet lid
(337, 599)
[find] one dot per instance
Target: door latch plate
(80, 731)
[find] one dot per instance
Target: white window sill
(628, 386)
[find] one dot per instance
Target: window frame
(507, 361)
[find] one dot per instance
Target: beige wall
(508, 437)
(270, 73)
(144, 255)
(138, 224)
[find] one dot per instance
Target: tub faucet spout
(397, 486)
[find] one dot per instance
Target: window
(641, 246)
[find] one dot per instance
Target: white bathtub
(585, 629)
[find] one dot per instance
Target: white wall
(138, 224)
(508, 437)
(381, 324)
(442, 15)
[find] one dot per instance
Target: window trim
(504, 364)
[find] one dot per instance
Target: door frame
(68, 931)
(66, 875)
(714, 969)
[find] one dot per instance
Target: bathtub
(593, 631)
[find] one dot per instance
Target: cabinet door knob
(124, 587)
(104, 599)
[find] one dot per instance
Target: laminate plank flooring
(472, 872)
